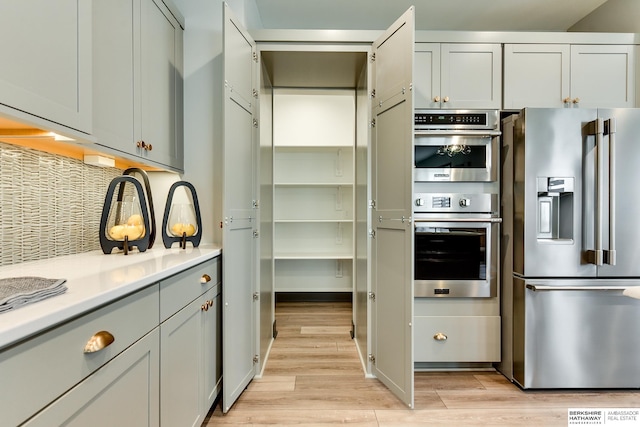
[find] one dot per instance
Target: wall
(614, 16)
(51, 205)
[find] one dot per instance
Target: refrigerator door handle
(610, 129)
(576, 288)
(596, 127)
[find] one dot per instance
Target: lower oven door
(456, 258)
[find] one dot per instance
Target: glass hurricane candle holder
(124, 223)
(181, 221)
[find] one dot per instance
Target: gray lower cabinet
(188, 370)
(162, 368)
(190, 348)
(121, 393)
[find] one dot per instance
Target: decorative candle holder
(149, 198)
(124, 223)
(181, 221)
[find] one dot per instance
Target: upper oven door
(456, 156)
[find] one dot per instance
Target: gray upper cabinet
(563, 75)
(137, 80)
(458, 75)
(46, 57)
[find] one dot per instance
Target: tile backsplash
(50, 205)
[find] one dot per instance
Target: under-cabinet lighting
(101, 161)
(60, 137)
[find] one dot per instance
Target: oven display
(450, 119)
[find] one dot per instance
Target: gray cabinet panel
(137, 80)
(123, 392)
(392, 180)
(240, 169)
(46, 57)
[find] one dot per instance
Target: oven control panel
(456, 203)
(455, 119)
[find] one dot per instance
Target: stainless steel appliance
(456, 145)
(572, 184)
(456, 244)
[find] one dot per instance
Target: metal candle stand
(183, 238)
(108, 242)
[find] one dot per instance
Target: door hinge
(255, 56)
(372, 295)
(372, 358)
(410, 87)
(373, 93)
(255, 93)
(373, 57)
(372, 233)
(256, 234)
(255, 123)
(256, 296)
(372, 203)
(255, 204)
(373, 123)
(256, 359)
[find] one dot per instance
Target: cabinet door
(124, 392)
(212, 343)
(181, 367)
(471, 76)
(391, 189)
(160, 113)
(240, 266)
(426, 75)
(46, 57)
(536, 75)
(114, 52)
(603, 76)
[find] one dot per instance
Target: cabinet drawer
(468, 339)
(179, 290)
(42, 368)
(106, 396)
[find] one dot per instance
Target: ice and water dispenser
(555, 208)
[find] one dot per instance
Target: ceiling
(454, 15)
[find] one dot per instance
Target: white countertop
(93, 279)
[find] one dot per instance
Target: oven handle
(456, 132)
(491, 220)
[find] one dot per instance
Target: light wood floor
(314, 376)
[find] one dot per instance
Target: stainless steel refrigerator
(571, 182)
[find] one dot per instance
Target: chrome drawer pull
(99, 341)
(205, 278)
(440, 337)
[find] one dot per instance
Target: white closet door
(392, 182)
(239, 246)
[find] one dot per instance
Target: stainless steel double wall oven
(456, 203)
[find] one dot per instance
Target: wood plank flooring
(314, 377)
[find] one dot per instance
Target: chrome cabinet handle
(98, 341)
(440, 337)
